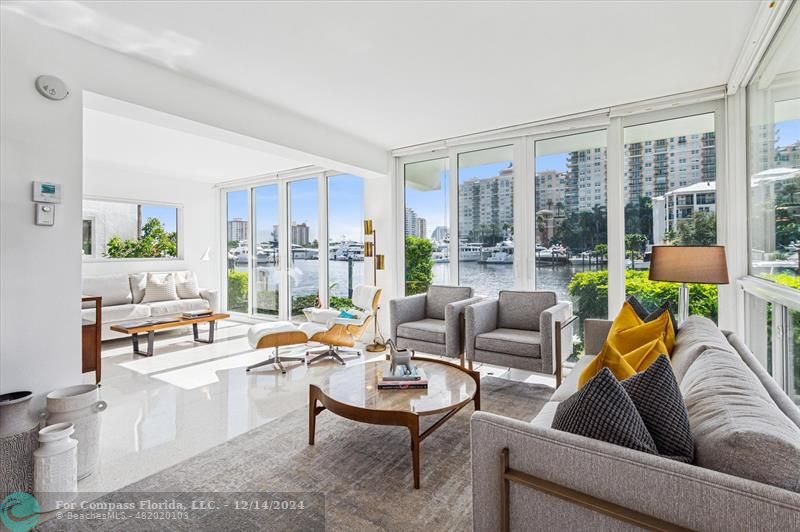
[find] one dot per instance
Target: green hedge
(590, 292)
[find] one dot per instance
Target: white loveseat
(122, 300)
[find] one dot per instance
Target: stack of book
(196, 314)
(404, 378)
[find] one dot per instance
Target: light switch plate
(45, 214)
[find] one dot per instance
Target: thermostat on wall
(44, 192)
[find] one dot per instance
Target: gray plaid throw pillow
(602, 410)
(658, 399)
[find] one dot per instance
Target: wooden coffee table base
(410, 420)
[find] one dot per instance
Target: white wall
(380, 206)
(199, 231)
(40, 267)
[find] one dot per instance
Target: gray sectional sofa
(740, 422)
(122, 300)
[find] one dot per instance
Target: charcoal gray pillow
(603, 411)
(658, 399)
(647, 316)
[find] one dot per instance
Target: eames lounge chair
(328, 327)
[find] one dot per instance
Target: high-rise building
(550, 187)
(653, 167)
(440, 234)
(680, 204)
(411, 222)
(237, 229)
(586, 184)
(486, 203)
(422, 227)
(300, 234)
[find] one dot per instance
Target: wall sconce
(369, 249)
(367, 227)
(378, 262)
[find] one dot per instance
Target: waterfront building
(237, 230)
(300, 234)
(486, 203)
(440, 234)
(421, 227)
(680, 204)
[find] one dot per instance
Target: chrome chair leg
(277, 360)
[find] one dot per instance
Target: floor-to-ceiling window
(772, 302)
(486, 219)
(571, 221)
(345, 238)
(304, 245)
(427, 224)
(238, 250)
(669, 188)
(266, 251)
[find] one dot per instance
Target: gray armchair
(517, 330)
(431, 323)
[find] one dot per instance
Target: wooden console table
(91, 338)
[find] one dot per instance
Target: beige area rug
(358, 476)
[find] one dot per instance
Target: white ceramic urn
(81, 406)
(55, 466)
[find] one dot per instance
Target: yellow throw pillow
(623, 366)
(629, 331)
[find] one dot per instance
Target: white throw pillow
(187, 287)
(160, 287)
(138, 283)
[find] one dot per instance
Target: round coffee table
(353, 393)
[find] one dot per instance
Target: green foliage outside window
(590, 292)
(155, 242)
(419, 265)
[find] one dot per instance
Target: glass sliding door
(238, 249)
(427, 224)
(486, 219)
(345, 239)
(304, 245)
(571, 221)
(266, 251)
(669, 181)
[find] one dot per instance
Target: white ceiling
(125, 135)
(401, 73)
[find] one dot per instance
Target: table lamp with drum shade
(688, 264)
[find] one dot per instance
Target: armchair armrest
(454, 331)
(212, 296)
(405, 309)
(595, 333)
(560, 312)
(479, 318)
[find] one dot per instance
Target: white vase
(55, 470)
(79, 405)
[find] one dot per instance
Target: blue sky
(788, 131)
(345, 207)
(167, 215)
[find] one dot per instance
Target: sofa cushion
(511, 341)
(186, 285)
(114, 289)
(427, 330)
(658, 399)
(163, 308)
(439, 296)
(629, 332)
(138, 282)
(737, 428)
(603, 411)
(570, 384)
(521, 309)
(117, 313)
(623, 365)
(695, 335)
(646, 315)
(160, 287)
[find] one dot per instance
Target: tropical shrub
(237, 291)
(419, 265)
(154, 242)
(590, 292)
